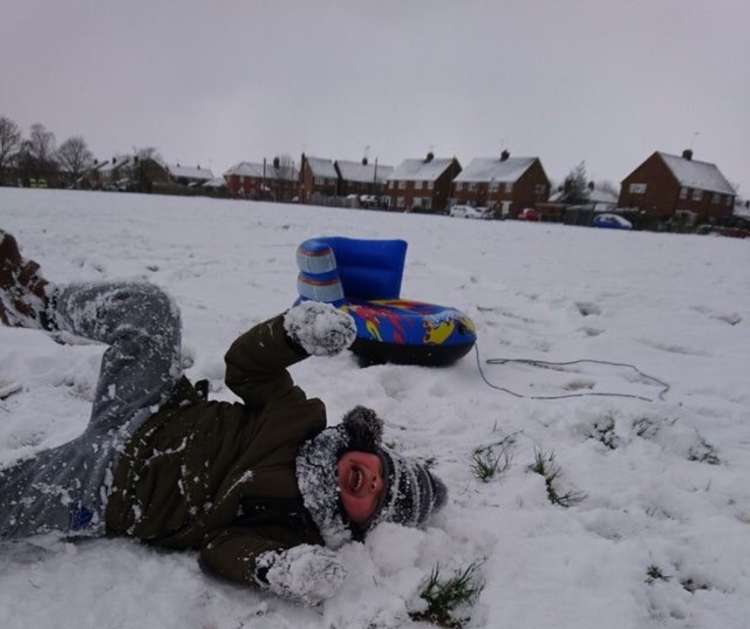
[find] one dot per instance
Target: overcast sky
(216, 82)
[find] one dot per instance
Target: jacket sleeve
(303, 572)
(256, 363)
(231, 554)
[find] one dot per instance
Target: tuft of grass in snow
(492, 460)
(445, 598)
(654, 573)
(544, 465)
(702, 451)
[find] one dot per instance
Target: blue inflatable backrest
(367, 269)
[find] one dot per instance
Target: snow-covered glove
(320, 328)
(305, 573)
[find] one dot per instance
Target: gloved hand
(305, 573)
(320, 328)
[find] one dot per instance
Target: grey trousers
(65, 489)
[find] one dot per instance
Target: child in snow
(262, 488)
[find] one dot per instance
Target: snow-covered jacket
(220, 476)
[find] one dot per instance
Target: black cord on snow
(547, 364)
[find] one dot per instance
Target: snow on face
(665, 483)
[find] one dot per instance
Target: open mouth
(356, 480)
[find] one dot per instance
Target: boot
(24, 300)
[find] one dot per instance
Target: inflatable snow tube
(363, 278)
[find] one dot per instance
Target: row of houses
(663, 187)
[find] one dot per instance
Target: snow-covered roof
(216, 182)
(740, 209)
(252, 169)
(321, 167)
(116, 162)
(597, 195)
(420, 169)
(245, 169)
(695, 174)
(190, 172)
(482, 169)
(363, 173)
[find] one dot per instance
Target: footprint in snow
(588, 308)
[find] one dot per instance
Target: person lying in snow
(262, 488)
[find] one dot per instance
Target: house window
(494, 186)
(637, 188)
(472, 187)
(400, 202)
(508, 187)
(401, 186)
(729, 201)
(417, 185)
(716, 199)
(540, 188)
(697, 195)
(427, 203)
(459, 186)
(318, 181)
(683, 193)
(430, 185)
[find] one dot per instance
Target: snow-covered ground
(665, 482)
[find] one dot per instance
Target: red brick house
(362, 177)
(422, 185)
(318, 178)
(666, 186)
(272, 181)
(506, 184)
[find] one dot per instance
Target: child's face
(360, 476)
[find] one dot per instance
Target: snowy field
(659, 535)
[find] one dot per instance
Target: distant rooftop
(256, 170)
(420, 169)
(695, 174)
(363, 173)
(322, 167)
(190, 172)
(483, 169)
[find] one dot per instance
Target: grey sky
(217, 82)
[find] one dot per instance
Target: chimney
(504, 156)
(687, 154)
(276, 163)
(364, 161)
(430, 156)
(591, 185)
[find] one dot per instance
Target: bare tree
(75, 157)
(148, 152)
(41, 145)
(10, 141)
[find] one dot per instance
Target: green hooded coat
(219, 476)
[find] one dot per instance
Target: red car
(529, 214)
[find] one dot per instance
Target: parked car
(469, 211)
(611, 221)
(529, 214)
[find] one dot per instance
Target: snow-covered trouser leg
(66, 488)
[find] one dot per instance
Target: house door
(505, 209)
